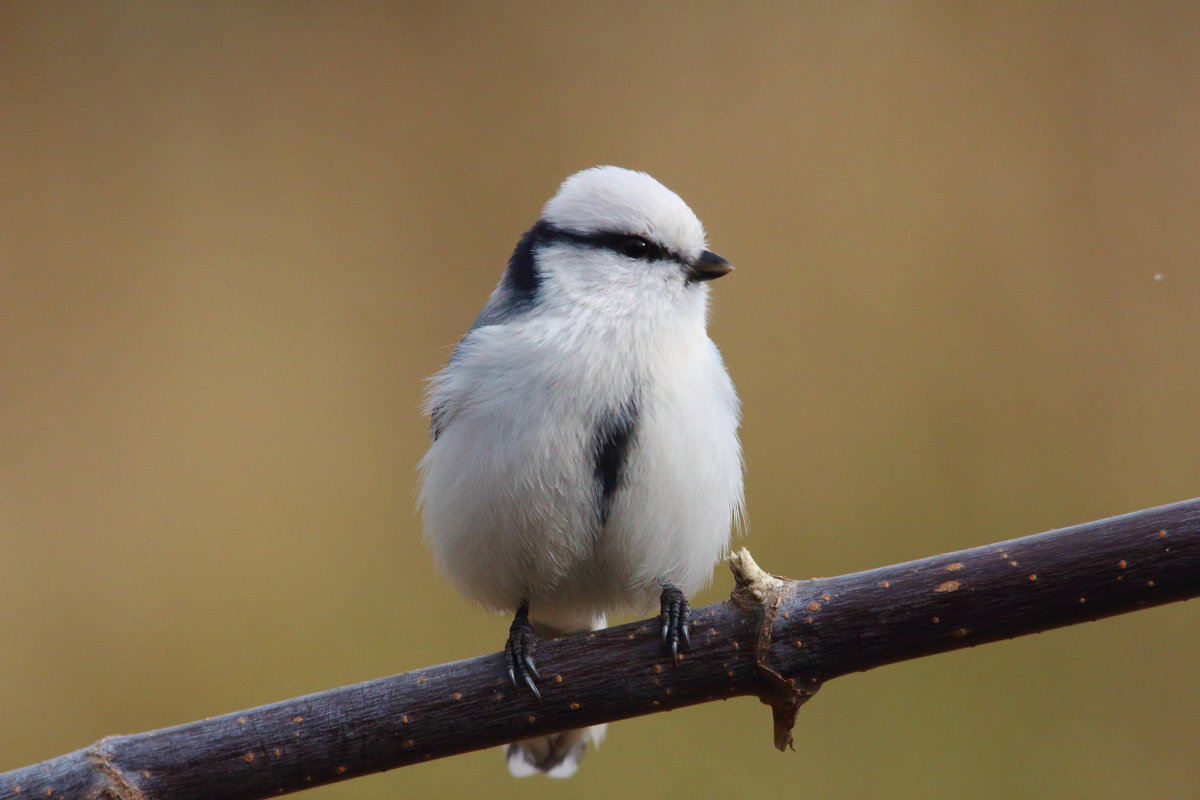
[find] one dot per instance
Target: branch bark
(776, 639)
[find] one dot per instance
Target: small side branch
(776, 639)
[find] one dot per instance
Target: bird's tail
(557, 755)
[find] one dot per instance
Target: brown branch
(776, 639)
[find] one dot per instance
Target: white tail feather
(557, 755)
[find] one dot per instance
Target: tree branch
(775, 639)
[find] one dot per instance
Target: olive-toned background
(236, 238)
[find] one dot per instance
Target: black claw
(676, 615)
(518, 653)
(531, 669)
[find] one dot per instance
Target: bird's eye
(637, 247)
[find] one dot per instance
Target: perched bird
(585, 458)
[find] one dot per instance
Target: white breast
(508, 488)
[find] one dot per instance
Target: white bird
(585, 459)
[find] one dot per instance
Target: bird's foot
(518, 652)
(676, 615)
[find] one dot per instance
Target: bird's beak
(708, 265)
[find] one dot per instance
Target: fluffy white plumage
(586, 449)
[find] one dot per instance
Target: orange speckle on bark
(948, 586)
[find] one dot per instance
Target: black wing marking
(611, 444)
(521, 285)
(517, 294)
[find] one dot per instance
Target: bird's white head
(614, 200)
(610, 232)
(613, 240)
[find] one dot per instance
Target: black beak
(708, 265)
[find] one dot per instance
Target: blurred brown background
(235, 239)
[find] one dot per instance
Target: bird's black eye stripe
(626, 244)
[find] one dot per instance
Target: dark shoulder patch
(518, 292)
(521, 283)
(522, 276)
(614, 435)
